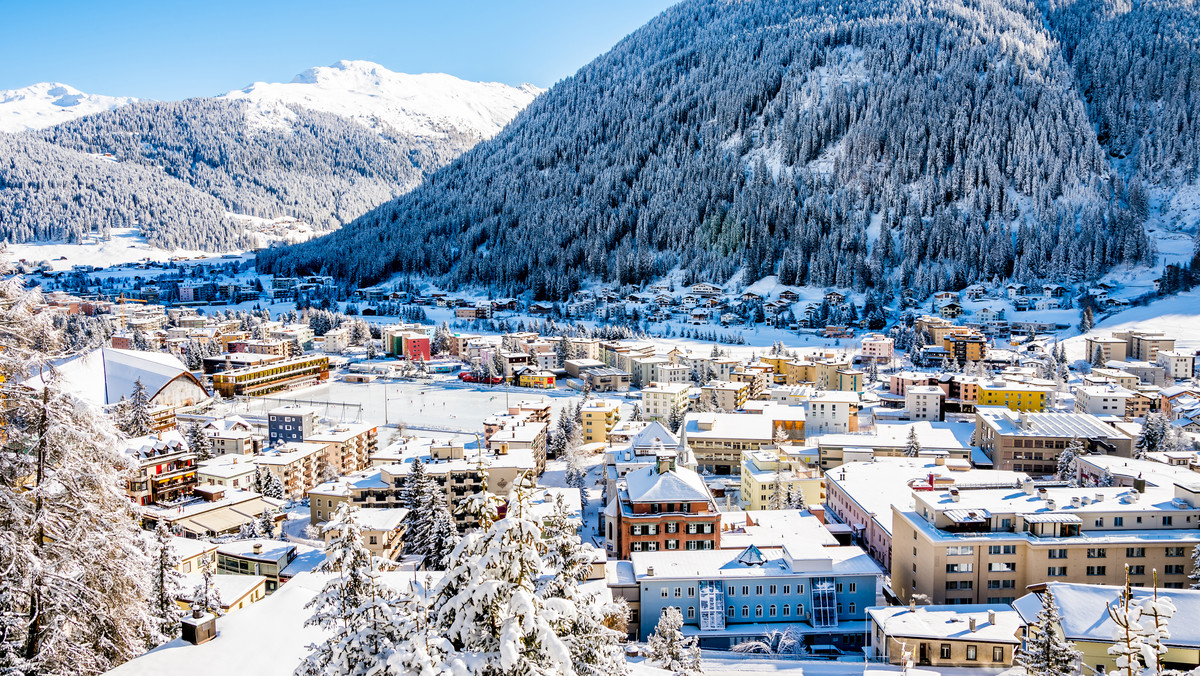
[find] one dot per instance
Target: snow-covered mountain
(49, 103)
(322, 150)
(417, 105)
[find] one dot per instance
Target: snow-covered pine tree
(443, 533)
(1156, 615)
(272, 487)
(77, 589)
(1155, 431)
(354, 608)
(488, 604)
(198, 442)
(1068, 459)
(258, 481)
(912, 447)
(1195, 574)
(1046, 652)
(1098, 357)
(415, 494)
(136, 420)
(1128, 644)
(670, 648)
(675, 419)
(167, 583)
(206, 596)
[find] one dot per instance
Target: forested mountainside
(870, 143)
(176, 168)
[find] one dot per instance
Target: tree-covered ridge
(174, 169)
(877, 143)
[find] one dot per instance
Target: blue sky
(174, 49)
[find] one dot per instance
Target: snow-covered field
(125, 246)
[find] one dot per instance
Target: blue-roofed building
(727, 596)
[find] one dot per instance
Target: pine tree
(77, 591)
(1155, 431)
(137, 421)
(670, 648)
(443, 533)
(356, 610)
(675, 419)
(1098, 357)
(1045, 652)
(273, 486)
(1128, 646)
(167, 581)
(206, 596)
(198, 442)
(913, 446)
(1068, 459)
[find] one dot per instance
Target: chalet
(1053, 291)
(730, 318)
(1047, 303)
(774, 307)
(689, 301)
(975, 291)
(988, 314)
(950, 310)
(1021, 303)
(750, 296)
(1014, 290)
(835, 298)
(663, 300)
(505, 305)
(705, 289)
(541, 309)
(660, 287)
(789, 296)
(698, 316)
(944, 297)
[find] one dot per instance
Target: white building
(924, 402)
(877, 347)
(830, 412)
(659, 399)
(230, 471)
(1179, 365)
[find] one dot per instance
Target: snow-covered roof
(652, 435)
(950, 622)
(1011, 423)
(947, 436)
(277, 621)
(677, 485)
(384, 519)
(106, 375)
(231, 588)
(157, 444)
(777, 562)
(186, 548)
(1084, 610)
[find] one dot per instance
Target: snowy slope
(420, 105)
(49, 103)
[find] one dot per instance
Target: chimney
(912, 605)
(991, 617)
(258, 548)
(201, 627)
(954, 494)
(650, 571)
(971, 622)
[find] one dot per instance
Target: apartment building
(718, 439)
(723, 395)
(1111, 348)
(228, 471)
(1031, 442)
(730, 596)
(1144, 345)
(965, 345)
(1178, 365)
(986, 545)
(382, 531)
(1111, 400)
(662, 507)
(1013, 395)
(660, 399)
(861, 494)
(600, 416)
(877, 347)
(763, 469)
(924, 402)
(348, 446)
(290, 423)
(832, 412)
(299, 466)
(951, 440)
(946, 636)
(166, 468)
(263, 379)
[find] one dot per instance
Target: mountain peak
(46, 104)
(425, 104)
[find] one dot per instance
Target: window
(732, 591)
(850, 608)
(1173, 570)
(1118, 521)
(853, 587)
(1002, 549)
(729, 611)
(678, 592)
(635, 530)
(758, 611)
(959, 584)
(1095, 570)
(960, 567)
(960, 551)
(839, 587)
(1167, 520)
(1137, 570)
(1056, 571)
(971, 652)
(665, 593)
(774, 590)
(945, 651)
(672, 544)
(745, 611)
(771, 610)
(691, 612)
(1135, 552)
(1002, 584)
(758, 590)
(998, 653)
(787, 589)
(1058, 553)
(745, 591)
(1097, 553)
(1002, 567)
(1175, 551)
(787, 610)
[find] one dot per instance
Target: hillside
(315, 162)
(876, 143)
(49, 103)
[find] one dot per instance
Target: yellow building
(543, 380)
(759, 476)
(236, 591)
(1015, 396)
(945, 636)
(599, 417)
(965, 345)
